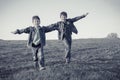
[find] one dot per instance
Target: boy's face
(36, 22)
(63, 17)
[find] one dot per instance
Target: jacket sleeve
(20, 31)
(74, 29)
(77, 18)
(51, 27)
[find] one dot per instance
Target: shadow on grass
(54, 63)
(9, 72)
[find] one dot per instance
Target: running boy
(36, 40)
(65, 27)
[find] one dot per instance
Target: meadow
(92, 59)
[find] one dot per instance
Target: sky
(103, 18)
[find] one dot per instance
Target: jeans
(67, 43)
(38, 56)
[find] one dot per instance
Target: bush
(112, 35)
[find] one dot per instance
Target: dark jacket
(70, 27)
(31, 31)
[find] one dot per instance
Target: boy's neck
(37, 26)
(64, 20)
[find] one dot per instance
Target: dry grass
(92, 59)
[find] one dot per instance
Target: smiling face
(63, 18)
(36, 22)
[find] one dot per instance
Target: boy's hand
(85, 14)
(14, 32)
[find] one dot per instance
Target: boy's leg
(41, 61)
(67, 43)
(35, 58)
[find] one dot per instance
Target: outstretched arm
(20, 31)
(79, 17)
(51, 27)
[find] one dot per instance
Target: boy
(36, 40)
(65, 28)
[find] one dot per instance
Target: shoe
(67, 60)
(42, 68)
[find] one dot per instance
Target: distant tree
(112, 35)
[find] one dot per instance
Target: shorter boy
(36, 40)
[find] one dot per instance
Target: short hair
(35, 17)
(63, 13)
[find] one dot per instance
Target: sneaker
(42, 68)
(67, 60)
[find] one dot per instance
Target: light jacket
(69, 29)
(31, 31)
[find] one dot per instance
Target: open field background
(92, 59)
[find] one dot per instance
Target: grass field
(92, 59)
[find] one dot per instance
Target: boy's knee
(40, 56)
(68, 48)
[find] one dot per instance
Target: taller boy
(65, 28)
